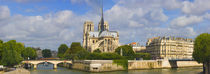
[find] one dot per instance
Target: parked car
(1, 67)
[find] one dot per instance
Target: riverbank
(109, 65)
(60, 70)
(18, 71)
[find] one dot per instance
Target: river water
(41, 69)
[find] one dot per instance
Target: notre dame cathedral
(102, 39)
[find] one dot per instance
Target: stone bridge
(54, 62)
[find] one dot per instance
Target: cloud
(186, 20)
(4, 12)
(48, 30)
(135, 20)
(135, 16)
(196, 7)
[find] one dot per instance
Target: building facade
(102, 39)
(137, 48)
(170, 47)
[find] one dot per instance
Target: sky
(49, 23)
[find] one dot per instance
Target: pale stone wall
(96, 65)
(150, 64)
(188, 64)
(18, 71)
(165, 63)
(81, 65)
(144, 64)
(108, 65)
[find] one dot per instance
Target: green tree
(145, 56)
(1, 49)
(29, 53)
(76, 47)
(10, 55)
(61, 50)
(97, 51)
(110, 56)
(127, 51)
(67, 54)
(201, 51)
(71, 53)
(46, 53)
(82, 55)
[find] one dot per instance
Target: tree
(145, 56)
(97, 51)
(127, 51)
(76, 47)
(71, 53)
(201, 51)
(82, 55)
(202, 48)
(1, 49)
(67, 54)
(29, 53)
(10, 55)
(46, 53)
(61, 50)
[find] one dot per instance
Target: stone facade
(96, 65)
(102, 39)
(170, 47)
(160, 63)
(108, 65)
(144, 64)
(137, 48)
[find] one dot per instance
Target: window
(95, 68)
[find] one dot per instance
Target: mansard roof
(103, 34)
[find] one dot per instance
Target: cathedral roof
(103, 34)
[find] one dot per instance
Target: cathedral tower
(88, 27)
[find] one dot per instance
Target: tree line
(77, 52)
(12, 53)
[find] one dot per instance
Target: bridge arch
(54, 62)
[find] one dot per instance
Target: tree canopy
(201, 51)
(145, 56)
(61, 50)
(71, 53)
(97, 51)
(1, 49)
(11, 54)
(76, 47)
(29, 53)
(127, 51)
(46, 53)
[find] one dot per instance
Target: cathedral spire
(102, 18)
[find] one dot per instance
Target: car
(1, 67)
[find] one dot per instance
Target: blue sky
(49, 23)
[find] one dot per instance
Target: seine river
(41, 69)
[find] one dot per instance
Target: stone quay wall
(144, 64)
(96, 65)
(155, 64)
(108, 65)
(188, 64)
(18, 71)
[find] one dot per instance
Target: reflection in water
(42, 69)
